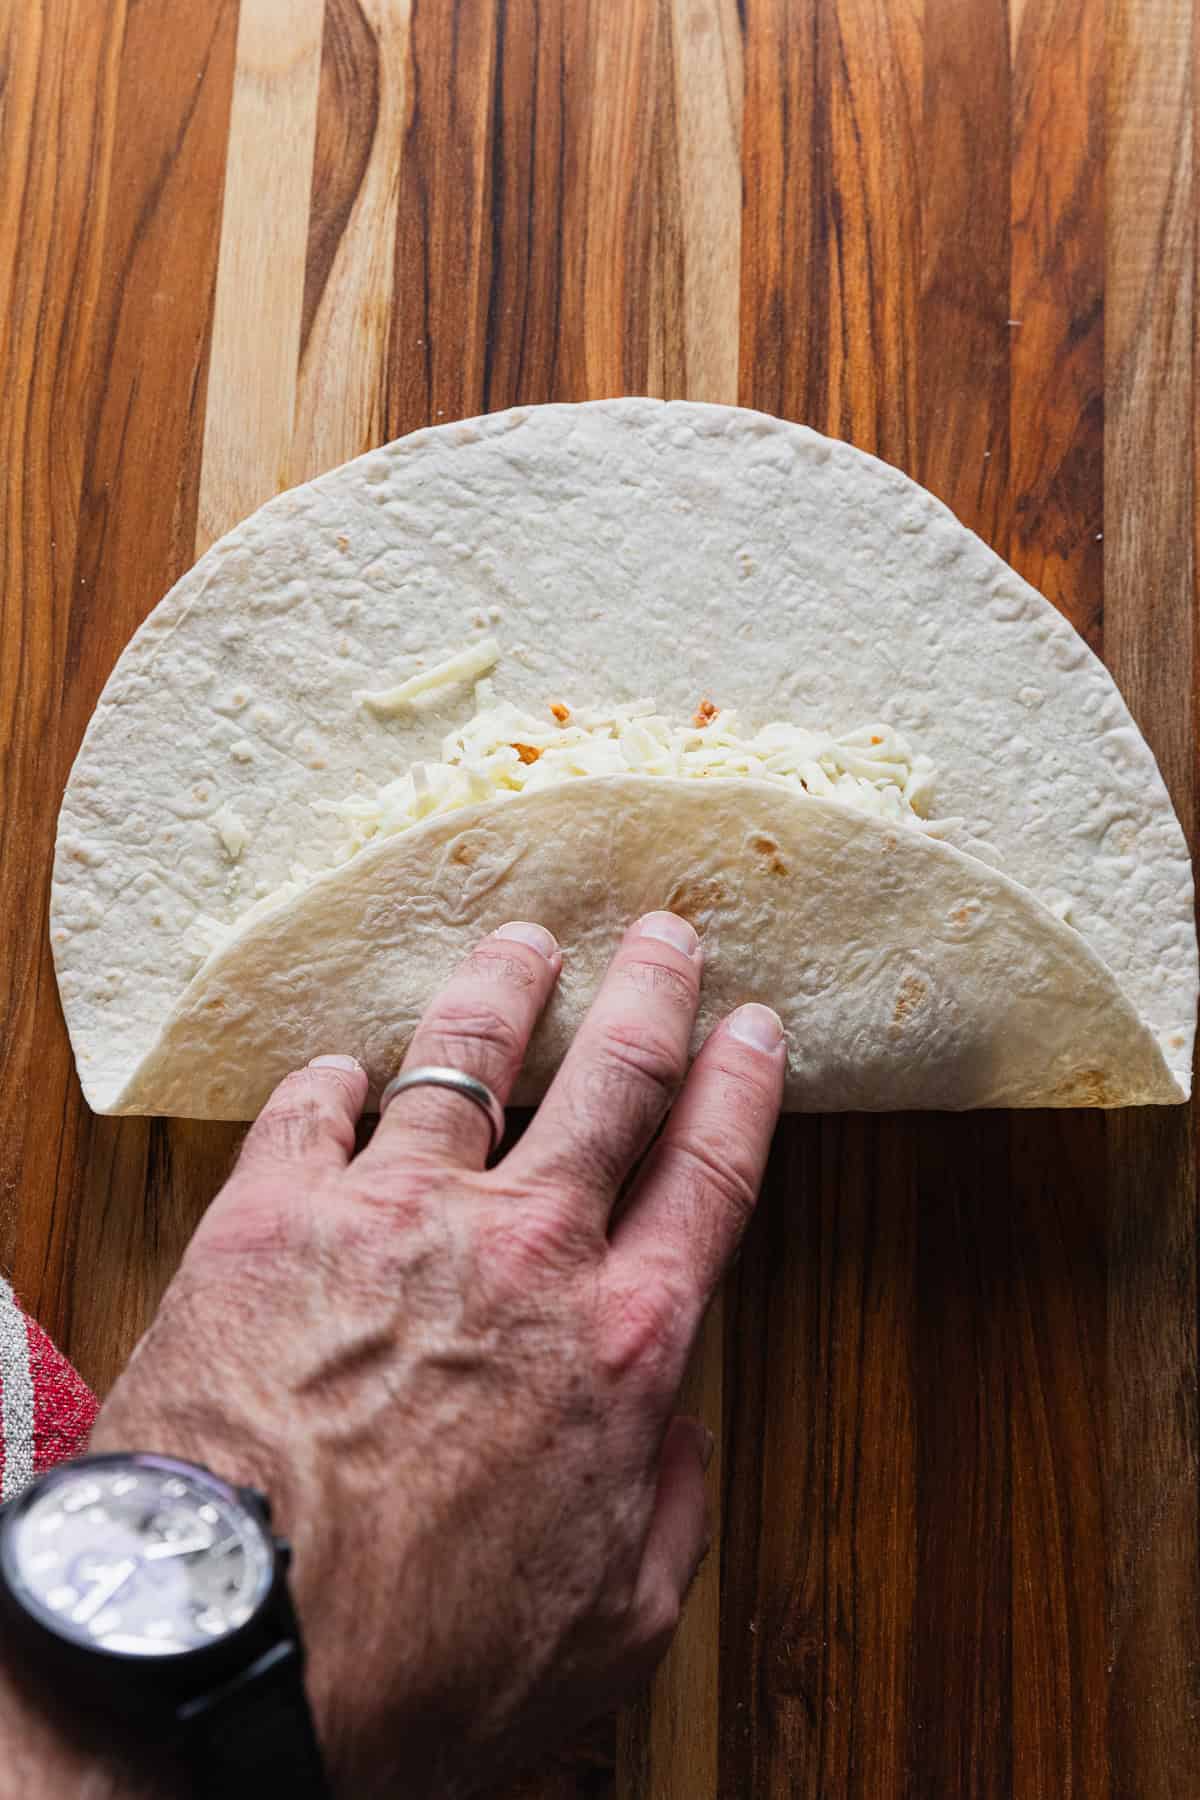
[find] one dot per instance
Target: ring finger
(479, 1024)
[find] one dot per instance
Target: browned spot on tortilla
(343, 542)
(465, 852)
(1087, 1087)
(890, 840)
(909, 996)
(561, 713)
(960, 916)
(527, 753)
(695, 900)
(767, 847)
(214, 1004)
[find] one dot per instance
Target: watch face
(137, 1555)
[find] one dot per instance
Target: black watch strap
(255, 1735)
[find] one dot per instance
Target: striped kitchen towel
(46, 1409)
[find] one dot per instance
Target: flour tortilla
(618, 549)
(916, 972)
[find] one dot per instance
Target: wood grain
(955, 1368)
(55, 209)
(814, 1641)
(706, 88)
(1057, 1174)
(1149, 568)
(347, 316)
(141, 1186)
(961, 1714)
(256, 333)
(108, 360)
(670, 1743)
(1056, 308)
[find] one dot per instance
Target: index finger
(698, 1187)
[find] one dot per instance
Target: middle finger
(622, 1071)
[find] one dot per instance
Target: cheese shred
(504, 752)
(464, 665)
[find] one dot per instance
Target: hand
(456, 1384)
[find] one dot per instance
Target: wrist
(159, 1600)
(51, 1751)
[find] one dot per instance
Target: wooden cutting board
(954, 1372)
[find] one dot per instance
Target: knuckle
(480, 1037)
(261, 1220)
(653, 978)
(530, 1236)
(746, 1088)
(492, 963)
(637, 1055)
(397, 1193)
(716, 1168)
(295, 1116)
(642, 1329)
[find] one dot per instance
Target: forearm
(48, 1752)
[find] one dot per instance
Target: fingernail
(757, 1025)
(536, 936)
(349, 1063)
(708, 1444)
(669, 928)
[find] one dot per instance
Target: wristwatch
(155, 1592)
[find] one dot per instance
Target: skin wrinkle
(535, 1240)
(456, 1389)
(699, 1169)
(473, 1035)
(481, 1030)
(654, 978)
(499, 965)
(640, 1056)
(610, 1089)
(294, 1130)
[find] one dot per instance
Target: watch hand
(189, 1547)
(104, 1591)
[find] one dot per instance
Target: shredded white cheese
(504, 751)
(464, 665)
(204, 935)
(231, 829)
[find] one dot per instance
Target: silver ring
(432, 1075)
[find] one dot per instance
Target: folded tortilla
(617, 550)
